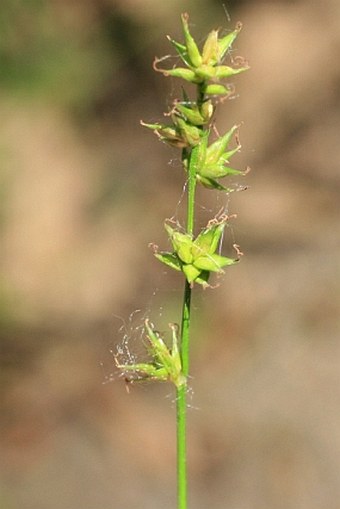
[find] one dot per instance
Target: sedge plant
(205, 158)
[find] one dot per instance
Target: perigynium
(205, 162)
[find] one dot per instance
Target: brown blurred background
(84, 189)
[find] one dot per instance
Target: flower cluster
(187, 121)
(206, 65)
(166, 363)
(213, 160)
(197, 258)
(189, 127)
(188, 118)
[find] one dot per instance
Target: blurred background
(84, 190)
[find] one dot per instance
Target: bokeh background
(84, 190)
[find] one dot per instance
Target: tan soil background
(84, 190)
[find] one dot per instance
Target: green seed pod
(184, 253)
(143, 371)
(181, 50)
(168, 134)
(210, 183)
(190, 133)
(224, 71)
(207, 110)
(217, 89)
(193, 51)
(158, 348)
(202, 150)
(195, 115)
(207, 241)
(213, 262)
(176, 237)
(181, 72)
(153, 127)
(203, 278)
(176, 369)
(207, 263)
(169, 259)
(216, 149)
(181, 242)
(206, 72)
(225, 43)
(227, 155)
(191, 114)
(191, 272)
(210, 52)
(219, 171)
(174, 348)
(170, 230)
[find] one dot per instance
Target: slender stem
(181, 448)
(192, 189)
(184, 347)
(185, 328)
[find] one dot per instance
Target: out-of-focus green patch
(44, 54)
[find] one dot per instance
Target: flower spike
(203, 68)
(196, 258)
(166, 363)
(193, 52)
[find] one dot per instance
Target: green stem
(184, 348)
(181, 448)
